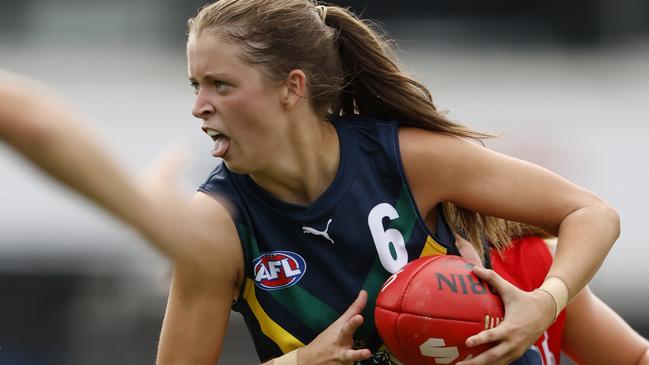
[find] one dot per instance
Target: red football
(426, 311)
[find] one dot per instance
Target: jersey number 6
(389, 243)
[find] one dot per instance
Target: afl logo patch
(278, 269)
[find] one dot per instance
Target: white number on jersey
(389, 243)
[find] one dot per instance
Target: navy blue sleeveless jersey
(304, 265)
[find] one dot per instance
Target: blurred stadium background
(566, 83)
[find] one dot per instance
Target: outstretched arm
(39, 126)
(199, 236)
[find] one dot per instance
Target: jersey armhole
(236, 303)
(442, 224)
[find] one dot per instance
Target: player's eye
(221, 85)
(194, 86)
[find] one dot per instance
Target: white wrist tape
(559, 292)
(287, 359)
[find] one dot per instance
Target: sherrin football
(427, 310)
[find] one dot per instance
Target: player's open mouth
(221, 142)
(212, 133)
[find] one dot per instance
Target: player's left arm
(481, 180)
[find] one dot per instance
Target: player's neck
(306, 165)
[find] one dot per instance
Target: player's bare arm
(203, 289)
(644, 359)
(485, 181)
(15, 101)
(200, 239)
(39, 125)
(608, 340)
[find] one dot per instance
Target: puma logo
(315, 232)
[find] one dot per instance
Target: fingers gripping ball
(426, 311)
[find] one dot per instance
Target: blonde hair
(350, 68)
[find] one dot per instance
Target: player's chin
(237, 165)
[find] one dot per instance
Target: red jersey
(526, 264)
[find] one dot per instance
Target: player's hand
(335, 344)
(527, 315)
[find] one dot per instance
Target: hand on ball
(527, 315)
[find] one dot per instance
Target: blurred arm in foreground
(39, 125)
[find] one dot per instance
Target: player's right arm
(203, 288)
(594, 334)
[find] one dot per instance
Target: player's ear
(294, 88)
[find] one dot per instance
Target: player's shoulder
(222, 186)
(436, 159)
(419, 141)
(217, 208)
(220, 250)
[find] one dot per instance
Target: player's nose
(202, 107)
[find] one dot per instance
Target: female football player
(337, 170)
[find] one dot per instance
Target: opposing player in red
(315, 122)
(588, 331)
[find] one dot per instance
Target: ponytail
(375, 85)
